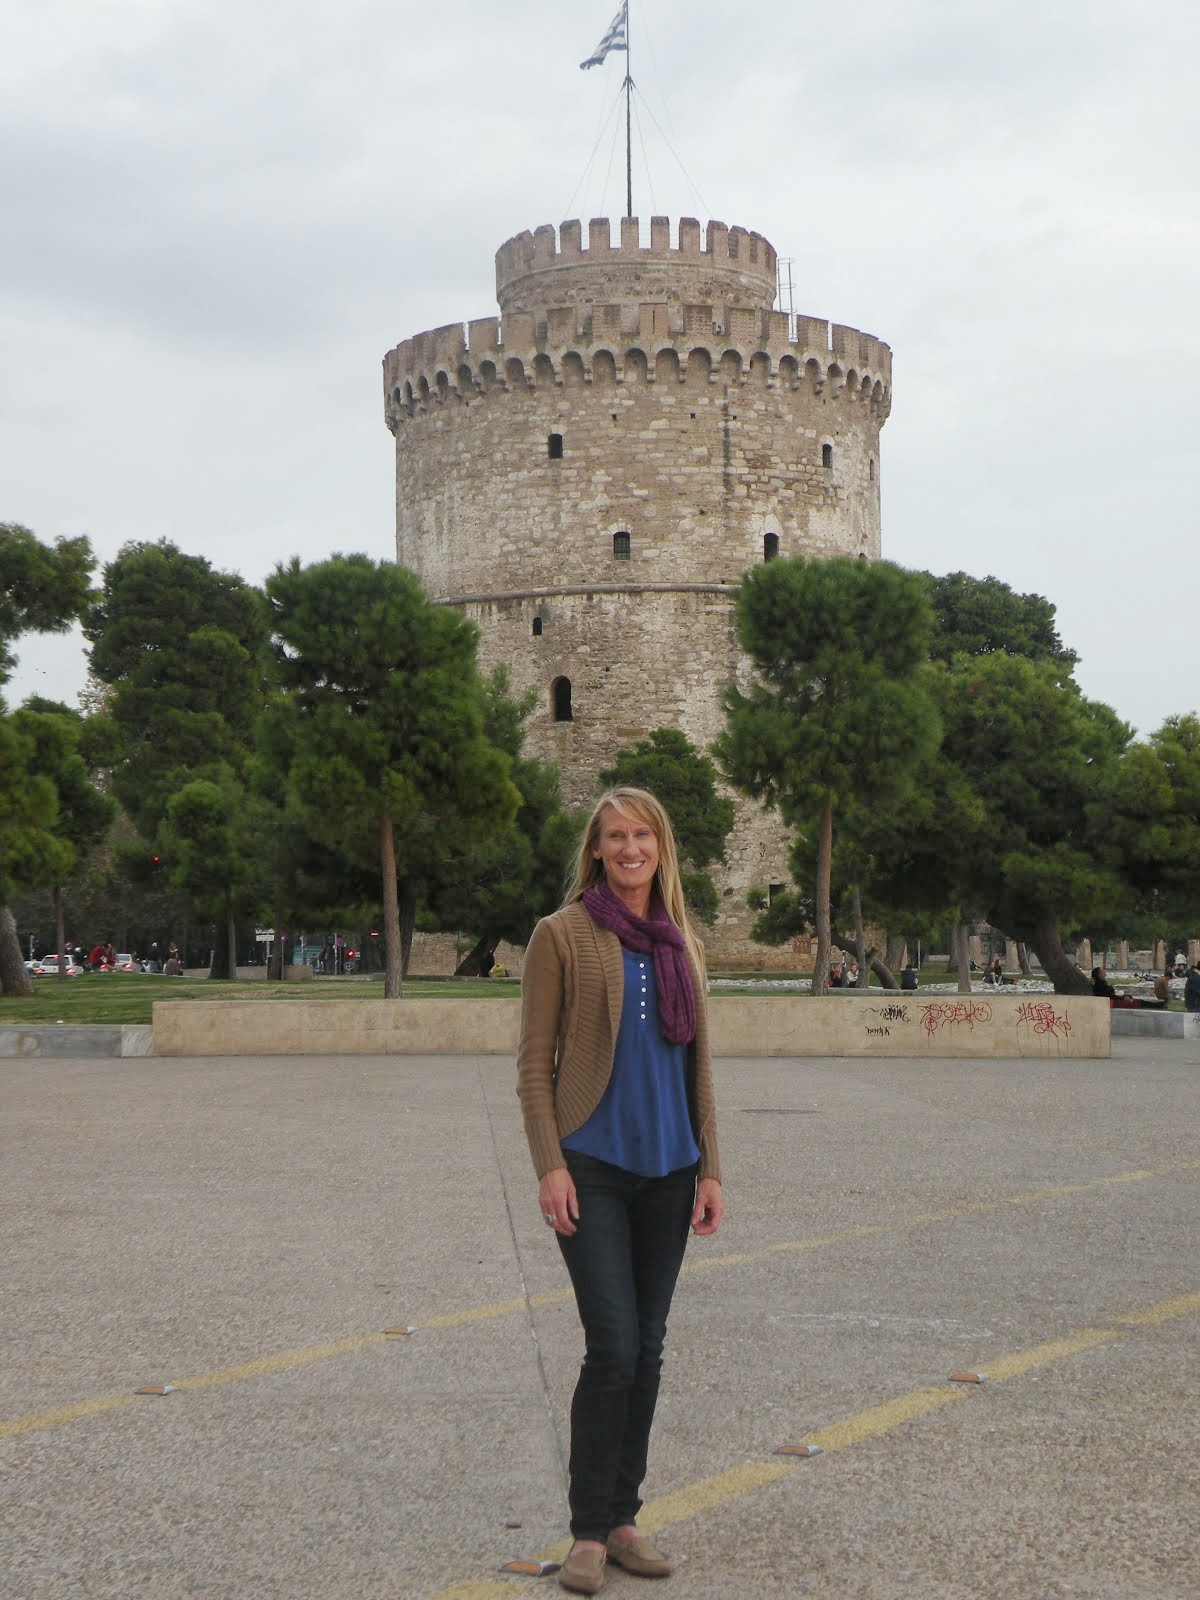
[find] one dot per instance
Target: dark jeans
(623, 1259)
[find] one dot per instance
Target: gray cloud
(223, 215)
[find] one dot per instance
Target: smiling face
(627, 849)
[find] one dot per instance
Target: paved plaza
(243, 1230)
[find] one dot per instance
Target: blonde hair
(637, 805)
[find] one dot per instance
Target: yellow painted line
(882, 1419)
(708, 1493)
(52, 1419)
(1185, 1306)
(285, 1361)
(461, 1319)
(290, 1359)
(723, 1488)
(822, 1240)
(499, 1589)
(710, 1263)
(1053, 1350)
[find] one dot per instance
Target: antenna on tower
(785, 292)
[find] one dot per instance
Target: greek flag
(614, 39)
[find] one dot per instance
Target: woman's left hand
(709, 1207)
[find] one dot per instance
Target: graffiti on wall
(1042, 1017)
(964, 1013)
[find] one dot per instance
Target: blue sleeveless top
(642, 1123)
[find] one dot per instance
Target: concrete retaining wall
(776, 1025)
(79, 1040)
(1156, 1024)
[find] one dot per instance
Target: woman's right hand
(559, 1203)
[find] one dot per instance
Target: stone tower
(588, 475)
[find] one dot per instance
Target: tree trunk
(408, 919)
(13, 977)
(231, 935)
(824, 869)
(393, 982)
(883, 971)
(479, 959)
(960, 941)
(863, 981)
(1023, 959)
(278, 956)
(894, 954)
(1063, 973)
(218, 960)
(60, 931)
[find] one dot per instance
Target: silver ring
(548, 1216)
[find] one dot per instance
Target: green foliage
(212, 838)
(64, 752)
(113, 894)
(184, 649)
(1009, 819)
(390, 719)
(1154, 820)
(840, 719)
(497, 887)
(783, 916)
(43, 588)
(838, 710)
(980, 616)
(390, 752)
(684, 780)
(32, 850)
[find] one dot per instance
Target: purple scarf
(657, 936)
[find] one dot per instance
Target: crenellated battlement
(730, 266)
(578, 345)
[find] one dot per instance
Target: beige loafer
(583, 1571)
(638, 1555)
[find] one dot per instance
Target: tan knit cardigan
(572, 988)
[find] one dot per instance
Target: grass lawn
(128, 996)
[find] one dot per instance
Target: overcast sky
(219, 214)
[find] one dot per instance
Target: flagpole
(628, 138)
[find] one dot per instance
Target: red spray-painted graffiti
(952, 1013)
(1044, 1018)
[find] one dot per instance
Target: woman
(614, 1076)
(1101, 988)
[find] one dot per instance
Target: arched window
(826, 455)
(561, 690)
(620, 547)
(537, 627)
(554, 444)
(770, 546)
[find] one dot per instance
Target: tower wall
(727, 266)
(696, 430)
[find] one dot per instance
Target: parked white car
(47, 967)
